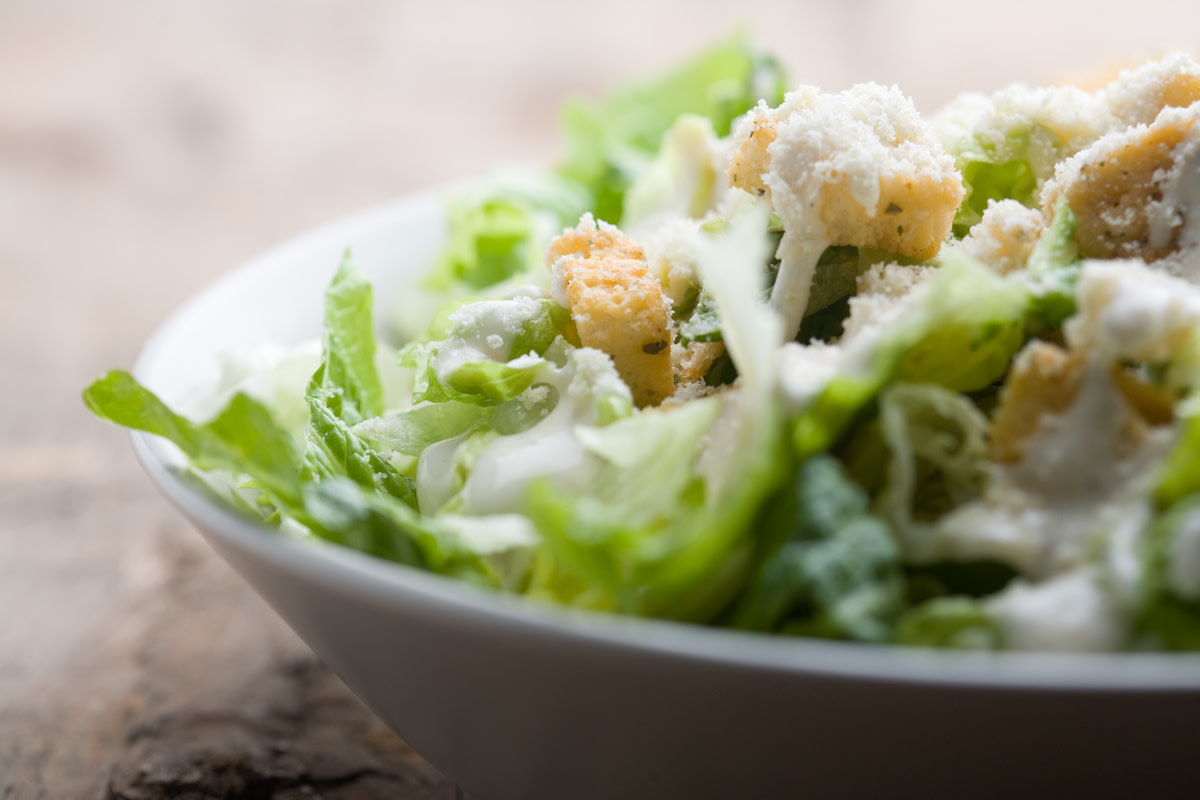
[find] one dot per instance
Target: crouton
(1116, 189)
(692, 363)
(753, 135)
(1046, 381)
(856, 168)
(601, 276)
(862, 157)
(1138, 95)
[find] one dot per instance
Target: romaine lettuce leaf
(1169, 616)
(825, 566)
(959, 623)
(1053, 268)
(500, 229)
(349, 346)
(1179, 476)
(936, 443)
(609, 144)
(1002, 166)
(961, 334)
(243, 438)
(680, 181)
(348, 513)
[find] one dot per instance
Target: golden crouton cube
(1115, 187)
(1045, 380)
(751, 160)
(912, 218)
(693, 362)
(617, 306)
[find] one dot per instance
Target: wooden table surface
(147, 147)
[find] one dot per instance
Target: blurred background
(147, 147)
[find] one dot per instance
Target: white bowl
(520, 701)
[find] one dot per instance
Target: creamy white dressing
(504, 471)
(1180, 206)
(798, 255)
(1131, 311)
(437, 478)
(484, 331)
(1073, 612)
(551, 449)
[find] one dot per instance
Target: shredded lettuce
(826, 566)
(1002, 166)
(957, 623)
(1053, 269)
(610, 144)
(962, 336)
(1169, 616)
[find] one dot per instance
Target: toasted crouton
(862, 158)
(1046, 380)
(1116, 189)
(755, 132)
(601, 276)
(693, 362)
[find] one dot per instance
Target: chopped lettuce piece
(958, 623)
(349, 377)
(936, 442)
(243, 438)
(350, 514)
(335, 451)
(703, 325)
(410, 431)
(1169, 616)
(1010, 168)
(608, 145)
(1053, 269)
(501, 229)
(961, 333)
(680, 181)
(826, 565)
(1179, 476)
(491, 351)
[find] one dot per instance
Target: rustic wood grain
(147, 147)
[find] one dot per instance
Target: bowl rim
(459, 603)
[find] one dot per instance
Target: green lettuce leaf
(345, 390)
(1054, 268)
(243, 438)
(608, 145)
(500, 229)
(1179, 476)
(348, 513)
(1167, 618)
(1008, 167)
(961, 335)
(957, 623)
(936, 443)
(410, 431)
(681, 179)
(349, 377)
(826, 566)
